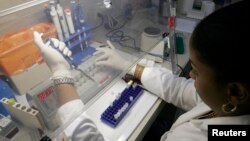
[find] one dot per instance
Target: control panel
(44, 98)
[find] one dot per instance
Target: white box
(29, 78)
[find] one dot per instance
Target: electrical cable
(97, 26)
(117, 35)
(122, 39)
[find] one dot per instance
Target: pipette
(56, 22)
(66, 56)
(69, 59)
(62, 20)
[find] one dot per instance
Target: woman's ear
(238, 93)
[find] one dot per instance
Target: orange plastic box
(18, 50)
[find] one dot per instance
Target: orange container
(18, 50)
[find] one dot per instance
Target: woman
(218, 92)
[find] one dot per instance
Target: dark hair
(221, 42)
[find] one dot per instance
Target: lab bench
(142, 114)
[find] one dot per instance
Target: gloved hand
(55, 61)
(108, 56)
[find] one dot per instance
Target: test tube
(134, 85)
(130, 82)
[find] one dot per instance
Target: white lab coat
(172, 89)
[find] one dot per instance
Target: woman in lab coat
(218, 93)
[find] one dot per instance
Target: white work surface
(131, 120)
(142, 113)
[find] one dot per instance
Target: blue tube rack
(129, 95)
(79, 46)
(80, 37)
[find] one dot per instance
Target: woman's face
(211, 93)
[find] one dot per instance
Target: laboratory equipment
(5, 91)
(184, 6)
(195, 9)
(150, 37)
(92, 78)
(31, 76)
(56, 22)
(172, 42)
(128, 19)
(8, 128)
(77, 14)
(196, 14)
(80, 25)
(76, 40)
(27, 116)
(180, 46)
(121, 105)
(68, 16)
(89, 78)
(43, 97)
(62, 20)
(166, 46)
(46, 11)
(163, 12)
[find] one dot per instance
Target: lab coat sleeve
(80, 126)
(173, 89)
